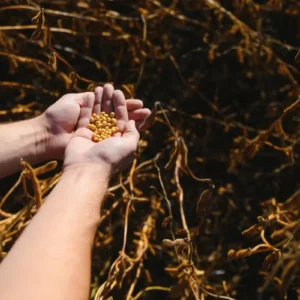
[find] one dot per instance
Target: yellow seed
(92, 127)
(103, 125)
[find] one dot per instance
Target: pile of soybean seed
(103, 126)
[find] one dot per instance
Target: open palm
(116, 151)
(62, 117)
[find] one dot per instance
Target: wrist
(42, 138)
(93, 170)
(88, 183)
(54, 144)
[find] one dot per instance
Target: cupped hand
(115, 152)
(62, 117)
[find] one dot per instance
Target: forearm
(26, 140)
(52, 258)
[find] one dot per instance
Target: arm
(26, 139)
(46, 137)
(52, 258)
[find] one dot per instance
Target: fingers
(107, 104)
(139, 114)
(139, 117)
(133, 104)
(98, 100)
(86, 110)
(120, 109)
(108, 100)
(131, 134)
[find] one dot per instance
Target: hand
(61, 118)
(115, 152)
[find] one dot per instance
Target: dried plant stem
(11, 84)
(166, 199)
(245, 28)
(151, 288)
(144, 57)
(131, 173)
(262, 248)
(134, 282)
(180, 198)
(167, 120)
(214, 295)
(126, 226)
(194, 287)
(109, 212)
(3, 200)
(262, 235)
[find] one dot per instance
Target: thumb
(131, 133)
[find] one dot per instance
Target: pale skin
(52, 257)
(46, 136)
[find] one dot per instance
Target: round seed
(103, 126)
(92, 127)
